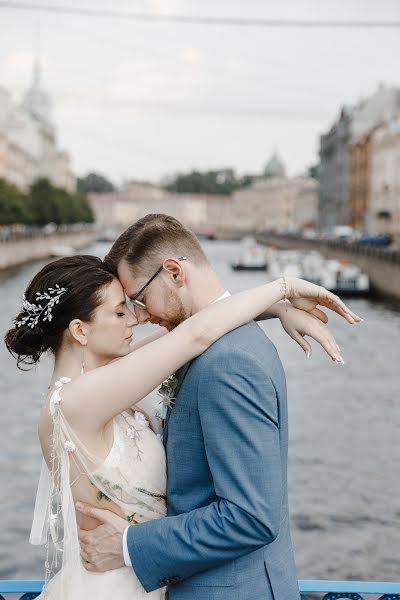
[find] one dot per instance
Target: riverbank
(23, 251)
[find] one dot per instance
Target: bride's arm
(96, 397)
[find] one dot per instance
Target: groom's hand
(101, 548)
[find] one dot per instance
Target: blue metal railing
(333, 590)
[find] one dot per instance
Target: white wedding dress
(132, 477)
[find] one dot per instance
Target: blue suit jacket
(227, 533)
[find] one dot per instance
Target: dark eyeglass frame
(134, 298)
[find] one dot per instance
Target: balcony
(328, 590)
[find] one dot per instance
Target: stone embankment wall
(20, 251)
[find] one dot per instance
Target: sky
(136, 100)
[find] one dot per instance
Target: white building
(384, 208)
(197, 211)
(277, 202)
(28, 145)
(384, 104)
(274, 201)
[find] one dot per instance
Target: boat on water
(343, 278)
(252, 256)
(338, 276)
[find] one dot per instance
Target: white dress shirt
(127, 558)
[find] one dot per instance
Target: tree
(14, 205)
(94, 182)
(51, 204)
(81, 211)
(222, 181)
(43, 204)
(46, 205)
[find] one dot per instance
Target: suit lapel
(181, 374)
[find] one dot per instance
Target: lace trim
(55, 499)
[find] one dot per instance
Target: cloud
(149, 80)
(193, 57)
(16, 70)
(165, 6)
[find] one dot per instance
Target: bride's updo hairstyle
(83, 278)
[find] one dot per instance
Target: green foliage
(94, 182)
(14, 205)
(43, 204)
(223, 181)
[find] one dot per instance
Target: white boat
(338, 276)
(252, 256)
(343, 278)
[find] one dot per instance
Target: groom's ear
(175, 269)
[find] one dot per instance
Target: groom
(227, 533)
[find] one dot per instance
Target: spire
(36, 66)
(36, 100)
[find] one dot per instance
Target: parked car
(379, 240)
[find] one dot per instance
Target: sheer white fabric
(131, 480)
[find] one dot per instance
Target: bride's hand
(302, 293)
(298, 323)
(310, 307)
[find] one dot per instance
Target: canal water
(344, 484)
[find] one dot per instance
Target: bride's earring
(83, 364)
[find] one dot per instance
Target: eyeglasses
(135, 300)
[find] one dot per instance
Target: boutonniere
(167, 391)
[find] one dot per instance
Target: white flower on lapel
(168, 389)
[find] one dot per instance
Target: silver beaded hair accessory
(42, 310)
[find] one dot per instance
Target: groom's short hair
(152, 239)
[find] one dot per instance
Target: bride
(97, 446)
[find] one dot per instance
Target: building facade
(201, 212)
(273, 201)
(28, 144)
(334, 172)
(383, 215)
(382, 105)
(360, 182)
(277, 203)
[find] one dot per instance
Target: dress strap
(55, 396)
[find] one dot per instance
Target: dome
(275, 167)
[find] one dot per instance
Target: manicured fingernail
(308, 354)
